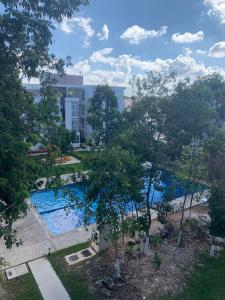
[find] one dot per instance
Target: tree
(113, 189)
(26, 33)
(25, 36)
(213, 86)
(215, 162)
(103, 115)
(217, 210)
(191, 170)
(188, 117)
(144, 131)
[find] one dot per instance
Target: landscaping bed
(179, 272)
(141, 279)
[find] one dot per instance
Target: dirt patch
(141, 278)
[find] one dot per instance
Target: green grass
(21, 288)
(66, 169)
(82, 155)
(74, 281)
(207, 282)
(73, 168)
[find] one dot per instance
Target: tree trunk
(190, 208)
(117, 270)
(192, 196)
(148, 205)
(186, 194)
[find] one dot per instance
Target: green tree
(25, 35)
(114, 189)
(144, 130)
(217, 210)
(213, 86)
(192, 170)
(215, 162)
(188, 117)
(103, 115)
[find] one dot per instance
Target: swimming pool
(51, 205)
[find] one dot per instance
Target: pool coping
(39, 246)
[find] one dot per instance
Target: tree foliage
(103, 115)
(25, 35)
(113, 188)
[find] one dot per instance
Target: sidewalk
(48, 282)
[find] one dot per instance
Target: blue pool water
(51, 206)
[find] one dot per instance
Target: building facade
(73, 100)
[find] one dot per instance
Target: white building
(73, 99)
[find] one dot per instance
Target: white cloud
(200, 52)
(102, 67)
(99, 76)
(69, 26)
(136, 34)
(181, 64)
(102, 56)
(217, 50)
(216, 8)
(81, 67)
(187, 37)
(187, 51)
(104, 35)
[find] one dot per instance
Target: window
(77, 139)
(75, 109)
(83, 109)
(75, 124)
(82, 123)
(74, 93)
(71, 92)
(83, 95)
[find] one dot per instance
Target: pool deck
(37, 240)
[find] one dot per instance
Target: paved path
(37, 240)
(48, 282)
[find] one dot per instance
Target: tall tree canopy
(103, 114)
(25, 35)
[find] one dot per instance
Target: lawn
(72, 168)
(75, 283)
(21, 288)
(82, 155)
(66, 169)
(207, 282)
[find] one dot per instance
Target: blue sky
(185, 36)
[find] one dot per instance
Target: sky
(110, 40)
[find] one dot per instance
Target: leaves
(103, 115)
(25, 35)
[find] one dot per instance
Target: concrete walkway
(48, 282)
(37, 240)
